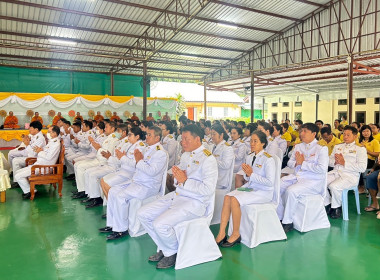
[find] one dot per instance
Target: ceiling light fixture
(62, 42)
(227, 25)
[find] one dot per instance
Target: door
(190, 113)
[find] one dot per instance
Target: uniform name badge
(196, 162)
(352, 151)
(258, 165)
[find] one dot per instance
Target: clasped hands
(300, 158)
(247, 169)
(339, 159)
(107, 154)
(119, 154)
(179, 174)
(38, 149)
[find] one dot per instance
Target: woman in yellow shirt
(286, 134)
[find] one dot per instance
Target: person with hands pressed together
(195, 181)
(259, 173)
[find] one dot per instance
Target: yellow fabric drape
(9, 135)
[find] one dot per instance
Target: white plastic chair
(135, 228)
(219, 199)
(198, 232)
(280, 154)
(259, 222)
(345, 200)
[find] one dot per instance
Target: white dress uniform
(92, 152)
(80, 149)
(281, 143)
(247, 141)
(146, 182)
(308, 178)
(225, 157)
(93, 175)
(272, 146)
(344, 177)
(240, 151)
(170, 145)
(188, 202)
(46, 157)
(207, 143)
(127, 165)
(81, 166)
(261, 181)
(66, 138)
(17, 158)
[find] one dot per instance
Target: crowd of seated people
(112, 162)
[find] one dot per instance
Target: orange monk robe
(11, 122)
(135, 118)
(80, 117)
(99, 118)
(56, 119)
(150, 119)
(114, 118)
(37, 119)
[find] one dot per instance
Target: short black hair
(147, 123)
(101, 125)
(337, 120)
(375, 124)
(36, 125)
(194, 130)
(267, 126)
(157, 131)
(56, 129)
(123, 127)
(78, 124)
(220, 130)
(312, 127)
(318, 121)
(168, 126)
(67, 122)
(251, 127)
(300, 122)
(278, 128)
(326, 130)
(136, 130)
(262, 137)
(112, 124)
(351, 128)
(88, 124)
(285, 125)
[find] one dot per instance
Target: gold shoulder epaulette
(207, 152)
(267, 155)
(113, 135)
(126, 140)
(241, 141)
(204, 140)
(158, 148)
(89, 132)
(170, 136)
(142, 144)
(227, 144)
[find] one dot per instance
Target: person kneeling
(195, 182)
(260, 177)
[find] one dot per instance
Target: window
(274, 116)
(298, 116)
(285, 104)
(342, 114)
(377, 120)
(360, 101)
(298, 104)
(377, 100)
(209, 111)
(360, 117)
(342, 101)
(274, 104)
(225, 111)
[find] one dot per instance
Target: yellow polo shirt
(331, 144)
(377, 137)
(344, 123)
(336, 132)
(372, 146)
(287, 136)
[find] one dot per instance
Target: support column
(144, 90)
(350, 80)
(205, 99)
(316, 106)
(263, 108)
(252, 98)
(112, 84)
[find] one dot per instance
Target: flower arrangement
(108, 114)
(127, 114)
(51, 113)
(3, 113)
(91, 113)
(71, 113)
(29, 113)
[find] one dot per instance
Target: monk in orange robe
(150, 118)
(11, 121)
(134, 117)
(37, 117)
(98, 117)
(78, 117)
(57, 118)
(115, 117)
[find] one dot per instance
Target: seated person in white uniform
(93, 175)
(224, 155)
(17, 156)
(146, 182)
(276, 135)
(127, 160)
(260, 177)
(239, 147)
(169, 143)
(195, 181)
(251, 127)
(348, 160)
(309, 161)
(272, 146)
(46, 155)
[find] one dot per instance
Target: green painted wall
(13, 79)
(257, 115)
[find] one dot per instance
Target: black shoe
(328, 209)
(228, 244)
(156, 257)
(98, 201)
(79, 195)
(117, 235)
(11, 174)
(336, 213)
(64, 169)
(74, 183)
(167, 262)
(222, 241)
(104, 216)
(105, 229)
(88, 199)
(70, 177)
(26, 195)
(15, 185)
(74, 192)
(287, 227)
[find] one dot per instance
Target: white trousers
(117, 178)
(159, 218)
(69, 161)
(80, 168)
(16, 153)
(21, 176)
(92, 178)
(336, 184)
(17, 164)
